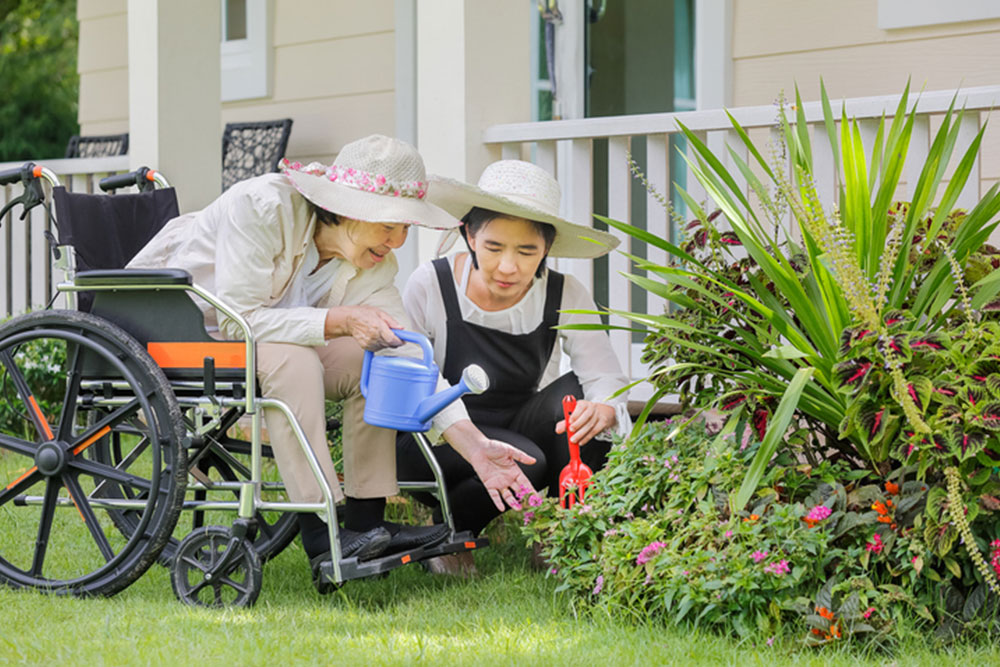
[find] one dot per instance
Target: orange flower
(817, 631)
(810, 522)
(880, 507)
(835, 631)
(889, 502)
(825, 613)
(884, 519)
(753, 517)
(892, 488)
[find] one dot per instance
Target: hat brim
(369, 206)
(572, 240)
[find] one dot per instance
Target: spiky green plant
(857, 262)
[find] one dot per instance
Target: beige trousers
(301, 377)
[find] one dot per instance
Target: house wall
(334, 64)
(777, 44)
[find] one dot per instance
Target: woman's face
(363, 244)
(509, 251)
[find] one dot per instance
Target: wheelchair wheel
(214, 569)
(69, 383)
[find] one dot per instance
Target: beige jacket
(247, 246)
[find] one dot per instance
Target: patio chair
(97, 146)
(252, 149)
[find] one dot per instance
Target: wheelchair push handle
(145, 178)
(27, 172)
(30, 175)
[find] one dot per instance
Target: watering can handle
(421, 340)
(402, 334)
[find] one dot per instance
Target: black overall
(511, 410)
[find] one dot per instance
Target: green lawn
(510, 614)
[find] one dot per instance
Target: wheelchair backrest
(106, 231)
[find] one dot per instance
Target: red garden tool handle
(569, 405)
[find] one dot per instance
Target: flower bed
(854, 485)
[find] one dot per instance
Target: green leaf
(773, 438)
(786, 352)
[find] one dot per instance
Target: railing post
(657, 216)
(916, 154)
(575, 173)
(619, 287)
(968, 128)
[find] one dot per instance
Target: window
(245, 50)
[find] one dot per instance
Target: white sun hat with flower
(375, 179)
(522, 190)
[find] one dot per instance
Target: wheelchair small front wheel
(213, 568)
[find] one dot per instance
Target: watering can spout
(474, 380)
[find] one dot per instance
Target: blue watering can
(399, 391)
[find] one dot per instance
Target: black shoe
(405, 538)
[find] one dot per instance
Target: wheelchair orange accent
(192, 355)
(22, 477)
(37, 171)
(470, 545)
(41, 417)
(405, 559)
(91, 440)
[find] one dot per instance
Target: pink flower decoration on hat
(361, 180)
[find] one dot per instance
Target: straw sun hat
(522, 190)
(375, 179)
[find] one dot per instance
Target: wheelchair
(117, 416)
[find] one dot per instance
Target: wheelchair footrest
(352, 568)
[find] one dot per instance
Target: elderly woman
(497, 306)
(306, 258)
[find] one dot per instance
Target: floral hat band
(359, 180)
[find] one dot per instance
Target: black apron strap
(553, 299)
(447, 284)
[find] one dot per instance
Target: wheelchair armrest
(151, 277)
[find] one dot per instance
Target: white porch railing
(566, 149)
(25, 260)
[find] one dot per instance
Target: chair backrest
(252, 149)
(97, 146)
(107, 231)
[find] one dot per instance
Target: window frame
(246, 64)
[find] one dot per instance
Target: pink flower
(648, 552)
(599, 584)
(868, 612)
(770, 641)
(914, 559)
(554, 570)
(728, 534)
(995, 556)
(534, 500)
(819, 512)
(778, 568)
(758, 556)
(875, 546)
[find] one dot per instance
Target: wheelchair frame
(206, 408)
